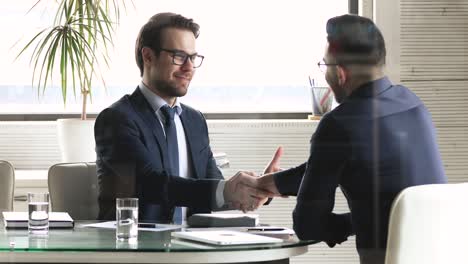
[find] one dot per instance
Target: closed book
(222, 220)
(20, 220)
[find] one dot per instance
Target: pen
(147, 225)
(265, 229)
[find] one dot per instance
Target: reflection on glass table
(94, 245)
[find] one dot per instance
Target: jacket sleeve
(313, 217)
(288, 181)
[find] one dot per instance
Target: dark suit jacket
(379, 141)
(132, 161)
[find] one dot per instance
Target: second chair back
(73, 189)
(7, 186)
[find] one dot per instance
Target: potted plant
(76, 45)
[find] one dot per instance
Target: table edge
(237, 256)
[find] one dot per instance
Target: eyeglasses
(180, 58)
(323, 65)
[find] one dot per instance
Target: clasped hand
(247, 191)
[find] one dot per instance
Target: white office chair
(429, 224)
(73, 189)
(7, 186)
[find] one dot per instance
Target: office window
(258, 55)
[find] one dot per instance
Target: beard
(340, 95)
(338, 90)
(170, 89)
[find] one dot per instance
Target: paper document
(20, 220)
(141, 226)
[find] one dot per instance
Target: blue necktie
(172, 151)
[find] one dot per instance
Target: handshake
(247, 191)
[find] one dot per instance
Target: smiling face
(161, 75)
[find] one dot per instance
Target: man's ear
(342, 74)
(147, 54)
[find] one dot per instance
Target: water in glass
(38, 222)
(127, 223)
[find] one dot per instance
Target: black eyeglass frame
(175, 52)
(322, 63)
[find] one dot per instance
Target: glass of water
(127, 219)
(38, 211)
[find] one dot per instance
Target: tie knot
(168, 112)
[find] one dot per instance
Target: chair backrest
(7, 186)
(429, 224)
(73, 189)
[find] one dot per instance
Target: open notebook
(225, 237)
(20, 220)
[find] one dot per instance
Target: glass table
(94, 245)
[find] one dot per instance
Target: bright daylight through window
(258, 55)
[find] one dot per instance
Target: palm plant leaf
(78, 41)
(50, 59)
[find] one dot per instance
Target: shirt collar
(372, 88)
(156, 101)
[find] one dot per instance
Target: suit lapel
(146, 112)
(190, 137)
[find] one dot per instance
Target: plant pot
(76, 140)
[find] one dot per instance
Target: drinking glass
(38, 213)
(127, 219)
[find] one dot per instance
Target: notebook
(20, 220)
(225, 237)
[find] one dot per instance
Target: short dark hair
(150, 34)
(354, 39)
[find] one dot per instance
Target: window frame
(352, 8)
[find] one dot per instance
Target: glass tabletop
(103, 240)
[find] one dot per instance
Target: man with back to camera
(151, 146)
(378, 141)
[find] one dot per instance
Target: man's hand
(274, 166)
(241, 192)
(267, 183)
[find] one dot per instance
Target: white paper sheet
(156, 228)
